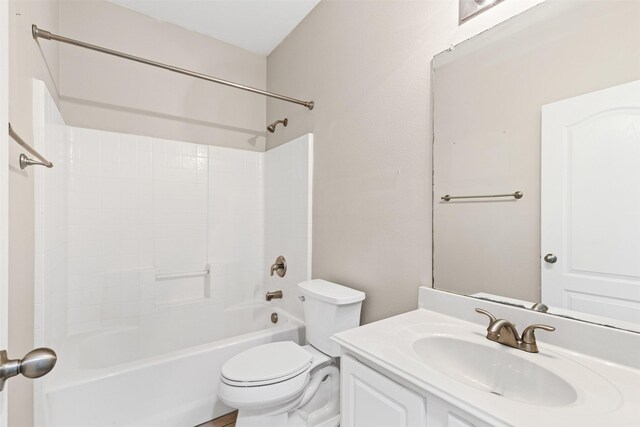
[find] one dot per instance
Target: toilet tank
(329, 308)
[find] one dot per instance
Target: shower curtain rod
(47, 35)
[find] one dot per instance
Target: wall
(236, 225)
(128, 97)
(124, 222)
(26, 60)
(51, 136)
(487, 134)
(119, 211)
(288, 177)
(367, 67)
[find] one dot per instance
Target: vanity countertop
(606, 393)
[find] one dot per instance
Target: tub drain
(274, 317)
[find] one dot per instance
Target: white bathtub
(163, 372)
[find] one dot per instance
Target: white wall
(51, 136)
(236, 236)
(118, 210)
(366, 64)
(288, 177)
(141, 207)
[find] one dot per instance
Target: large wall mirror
(542, 114)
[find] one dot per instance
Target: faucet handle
(542, 308)
(529, 338)
(491, 317)
(528, 335)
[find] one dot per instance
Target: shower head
(272, 127)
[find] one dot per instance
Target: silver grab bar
(167, 276)
(24, 160)
(516, 195)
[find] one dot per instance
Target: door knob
(35, 364)
(550, 258)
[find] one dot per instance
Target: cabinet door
(444, 414)
(370, 399)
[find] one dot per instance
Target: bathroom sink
(496, 370)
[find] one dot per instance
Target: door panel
(591, 203)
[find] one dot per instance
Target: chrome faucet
(504, 332)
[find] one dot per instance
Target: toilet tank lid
(330, 292)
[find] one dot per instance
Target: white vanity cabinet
(370, 399)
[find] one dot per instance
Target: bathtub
(162, 372)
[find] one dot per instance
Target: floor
(228, 420)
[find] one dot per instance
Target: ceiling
(256, 25)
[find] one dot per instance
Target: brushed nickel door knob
(550, 258)
(34, 364)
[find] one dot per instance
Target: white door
(4, 186)
(591, 203)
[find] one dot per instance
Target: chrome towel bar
(516, 195)
(24, 160)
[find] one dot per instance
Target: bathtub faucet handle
(275, 294)
(280, 266)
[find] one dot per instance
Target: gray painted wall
(99, 91)
(367, 67)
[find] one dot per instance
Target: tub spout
(275, 294)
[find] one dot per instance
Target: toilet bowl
(283, 384)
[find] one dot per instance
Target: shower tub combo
(141, 330)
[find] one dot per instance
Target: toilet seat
(264, 396)
(278, 383)
(266, 364)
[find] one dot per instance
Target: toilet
(283, 384)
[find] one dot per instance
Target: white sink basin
(496, 370)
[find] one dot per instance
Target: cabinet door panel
(369, 399)
(454, 420)
(444, 414)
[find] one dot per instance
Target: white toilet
(283, 384)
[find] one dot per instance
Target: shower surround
(152, 254)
